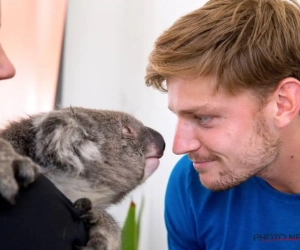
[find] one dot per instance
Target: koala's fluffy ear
(62, 142)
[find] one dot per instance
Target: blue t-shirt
(251, 216)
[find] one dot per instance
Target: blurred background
(93, 53)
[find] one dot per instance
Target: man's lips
(200, 165)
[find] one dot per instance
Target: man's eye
(203, 119)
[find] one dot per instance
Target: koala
(95, 158)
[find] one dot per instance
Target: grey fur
(14, 168)
(95, 154)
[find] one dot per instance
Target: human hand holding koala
(94, 154)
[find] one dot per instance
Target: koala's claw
(15, 171)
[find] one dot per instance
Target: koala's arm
(104, 232)
(15, 170)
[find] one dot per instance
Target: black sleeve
(42, 219)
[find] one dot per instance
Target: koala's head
(106, 148)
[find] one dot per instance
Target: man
(232, 71)
(43, 218)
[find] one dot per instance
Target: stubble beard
(264, 147)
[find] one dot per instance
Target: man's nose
(185, 139)
(7, 70)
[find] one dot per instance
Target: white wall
(106, 49)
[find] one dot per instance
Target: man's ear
(287, 97)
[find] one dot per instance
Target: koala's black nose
(158, 140)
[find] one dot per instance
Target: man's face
(7, 70)
(227, 137)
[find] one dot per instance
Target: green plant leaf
(138, 223)
(129, 230)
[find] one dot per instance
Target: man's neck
(284, 173)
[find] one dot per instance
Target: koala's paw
(25, 170)
(15, 171)
(104, 232)
(97, 243)
(84, 204)
(100, 242)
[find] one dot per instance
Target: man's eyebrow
(193, 110)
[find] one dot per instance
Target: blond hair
(244, 44)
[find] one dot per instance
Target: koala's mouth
(153, 156)
(151, 165)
